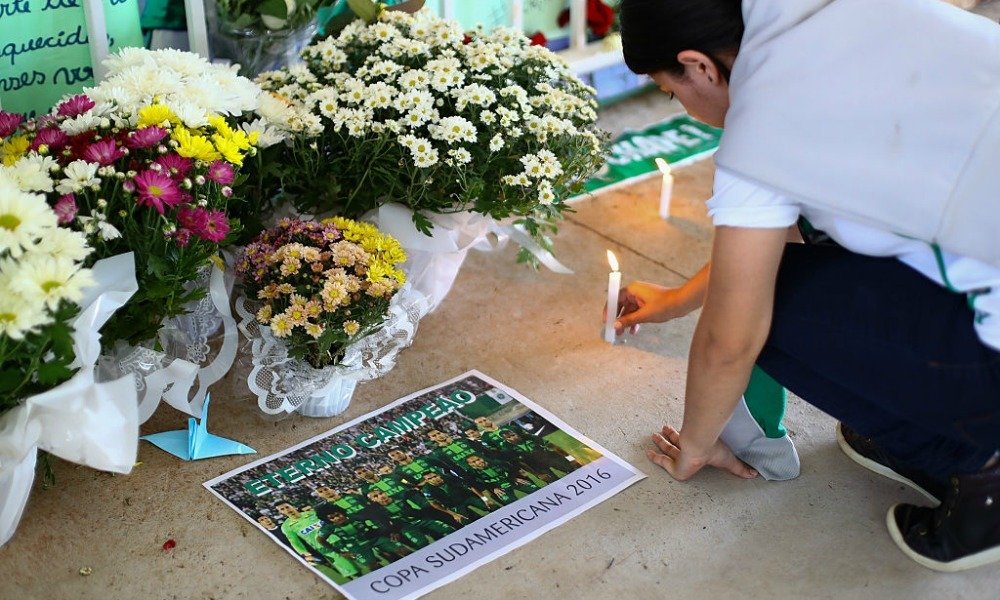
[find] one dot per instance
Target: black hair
(655, 31)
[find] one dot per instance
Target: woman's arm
(731, 331)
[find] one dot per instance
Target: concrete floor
(819, 536)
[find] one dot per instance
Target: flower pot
(284, 384)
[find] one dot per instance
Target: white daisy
(24, 218)
(60, 242)
(19, 316)
(42, 278)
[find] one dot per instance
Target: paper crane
(196, 442)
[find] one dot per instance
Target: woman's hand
(682, 461)
(642, 302)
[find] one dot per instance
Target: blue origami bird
(196, 442)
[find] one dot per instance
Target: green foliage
(38, 362)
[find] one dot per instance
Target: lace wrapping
(284, 384)
(188, 352)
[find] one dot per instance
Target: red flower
(538, 39)
(600, 17)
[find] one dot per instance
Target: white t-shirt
(739, 203)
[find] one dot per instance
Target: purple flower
(9, 122)
(53, 137)
(221, 172)
(146, 137)
(77, 105)
(66, 209)
(104, 152)
(182, 237)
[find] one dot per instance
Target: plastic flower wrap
(410, 109)
(145, 162)
(322, 286)
(42, 278)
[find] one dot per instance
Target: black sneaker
(962, 533)
(866, 453)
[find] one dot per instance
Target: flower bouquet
(48, 345)
(324, 306)
(146, 162)
(459, 130)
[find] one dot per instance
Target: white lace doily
(283, 383)
(182, 353)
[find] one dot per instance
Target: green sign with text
(679, 140)
(45, 49)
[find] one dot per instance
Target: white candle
(666, 188)
(614, 282)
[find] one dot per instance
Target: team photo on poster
(377, 491)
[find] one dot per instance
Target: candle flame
(612, 260)
(663, 166)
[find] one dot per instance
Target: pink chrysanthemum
(146, 137)
(77, 105)
(65, 209)
(103, 152)
(157, 190)
(221, 172)
(192, 218)
(53, 137)
(182, 237)
(175, 165)
(216, 227)
(9, 122)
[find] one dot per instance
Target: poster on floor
(680, 140)
(405, 499)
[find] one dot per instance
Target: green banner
(679, 140)
(45, 49)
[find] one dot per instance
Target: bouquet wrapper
(433, 261)
(81, 420)
(181, 364)
(284, 384)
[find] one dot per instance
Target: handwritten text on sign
(45, 49)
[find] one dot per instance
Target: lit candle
(666, 188)
(614, 282)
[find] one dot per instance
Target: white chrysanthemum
(414, 79)
(60, 242)
(77, 176)
(496, 143)
(80, 123)
(24, 218)
(460, 156)
(192, 114)
(42, 278)
(31, 173)
(453, 130)
(19, 316)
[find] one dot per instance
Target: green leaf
(274, 8)
(10, 379)
(365, 9)
(52, 373)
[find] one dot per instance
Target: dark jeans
(888, 352)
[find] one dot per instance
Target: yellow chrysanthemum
(221, 126)
(228, 149)
(13, 149)
(194, 146)
(156, 114)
